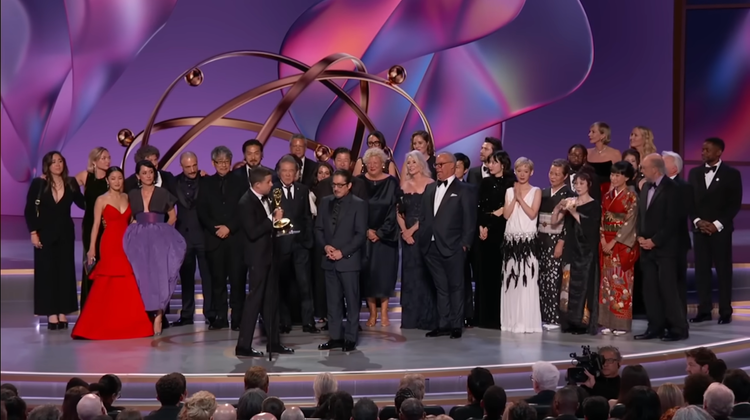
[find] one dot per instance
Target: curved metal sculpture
(297, 84)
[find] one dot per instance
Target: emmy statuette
(283, 226)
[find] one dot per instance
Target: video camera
(587, 361)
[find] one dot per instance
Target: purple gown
(154, 248)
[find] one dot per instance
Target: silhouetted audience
(694, 388)
(494, 403)
(477, 383)
(250, 403)
(595, 408)
(274, 406)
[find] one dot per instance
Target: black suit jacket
(687, 200)
(243, 173)
(167, 181)
(257, 230)
(474, 176)
(543, 398)
(309, 172)
(722, 200)
(169, 412)
(188, 223)
(455, 223)
(348, 236)
(298, 211)
(657, 221)
(359, 188)
(215, 209)
(741, 411)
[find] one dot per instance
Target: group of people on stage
(560, 257)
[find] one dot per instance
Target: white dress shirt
(302, 167)
(266, 204)
(709, 178)
(440, 193)
(485, 171)
(157, 181)
(288, 193)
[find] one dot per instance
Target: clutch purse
(89, 267)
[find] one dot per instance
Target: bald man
(292, 413)
(264, 416)
(225, 412)
(89, 407)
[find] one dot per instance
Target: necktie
(708, 169)
(443, 183)
(288, 194)
(221, 185)
(335, 212)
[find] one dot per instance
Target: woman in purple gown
(155, 249)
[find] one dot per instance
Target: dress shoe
(243, 352)
(235, 327)
(468, 323)
(182, 321)
(279, 349)
(53, 326)
(700, 318)
(456, 333)
(218, 324)
(438, 333)
(324, 327)
(349, 346)
(331, 345)
(727, 319)
(648, 335)
(310, 328)
(670, 336)
(285, 329)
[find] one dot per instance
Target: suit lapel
(180, 193)
(431, 194)
(715, 182)
(656, 193)
(447, 195)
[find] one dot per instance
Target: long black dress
(54, 264)
(418, 306)
(93, 188)
(489, 281)
(380, 271)
(579, 293)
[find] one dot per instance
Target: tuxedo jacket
(257, 231)
(455, 223)
(687, 200)
(349, 234)
(474, 176)
(659, 221)
(215, 208)
(297, 210)
(188, 223)
(243, 173)
(722, 200)
(167, 182)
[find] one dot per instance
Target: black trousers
(195, 254)
(226, 262)
(663, 303)
(468, 288)
(342, 286)
(262, 299)
(682, 279)
(713, 250)
(448, 275)
(296, 267)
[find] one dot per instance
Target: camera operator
(607, 384)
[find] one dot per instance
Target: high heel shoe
(62, 325)
(53, 326)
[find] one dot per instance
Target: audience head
(582, 182)
(292, 413)
(632, 376)
(76, 381)
(402, 395)
(10, 387)
(70, 402)
(274, 406)
(256, 377)
(264, 416)
(6, 394)
(566, 400)
(692, 412)
(641, 403)
(365, 409)
(225, 412)
(340, 406)
(99, 158)
(414, 382)
(189, 164)
(411, 409)
(130, 414)
(324, 383)
(288, 169)
(595, 408)
(521, 410)
(109, 389)
(717, 369)
(718, 400)
(325, 170)
(115, 178)
(642, 138)
(199, 406)
(506, 166)
(45, 412)
(612, 360)
(494, 402)
(16, 408)
(670, 396)
(698, 360)
(739, 382)
(250, 403)
(477, 382)
(171, 389)
(89, 407)
(712, 150)
(544, 377)
(463, 163)
(694, 388)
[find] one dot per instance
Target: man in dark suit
(673, 165)
(163, 179)
(252, 152)
(308, 169)
(463, 163)
(171, 390)
(341, 228)
(717, 189)
(257, 233)
(447, 226)
(342, 160)
(293, 251)
(187, 187)
(218, 214)
(490, 146)
(658, 236)
(578, 160)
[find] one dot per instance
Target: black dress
(579, 300)
(418, 306)
(380, 271)
(93, 188)
(54, 264)
(489, 280)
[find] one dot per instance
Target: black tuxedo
(167, 181)
(166, 412)
(359, 188)
(444, 238)
(188, 224)
(309, 172)
(347, 233)
(718, 203)
(657, 221)
(258, 238)
(293, 251)
(243, 172)
(218, 205)
(685, 191)
(474, 176)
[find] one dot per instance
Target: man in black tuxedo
(252, 152)
(309, 168)
(219, 217)
(673, 165)
(342, 160)
(489, 147)
(718, 199)
(257, 234)
(341, 228)
(163, 179)
(447, 226)
(658, 236)
(578, 160)
(187, 187)
(463, 163)
(293, 251)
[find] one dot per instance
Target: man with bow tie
(717, 191)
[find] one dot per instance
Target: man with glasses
(607, 384)
(447, 226)
(217, 212)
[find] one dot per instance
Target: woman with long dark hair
(376, 139)
(47, 215)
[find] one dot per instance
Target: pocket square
(454, 195)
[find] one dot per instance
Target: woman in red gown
(114, 308)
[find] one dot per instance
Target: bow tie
(443, 183)
(708, 169)
(485, 169)
(265, 199)
(653, 186)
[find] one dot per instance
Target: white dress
(519, 302)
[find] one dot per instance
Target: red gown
(114, 308)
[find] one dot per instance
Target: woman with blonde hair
(670, 396)
(602, 156)
(642, 140)
(199, 406)
(324, 383)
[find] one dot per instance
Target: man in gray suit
(341, 229)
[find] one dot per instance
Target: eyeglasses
(373, 144)
(223, 162)
(610, 361)
(441, 164)
(335, 185)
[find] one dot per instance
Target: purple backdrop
(629, 84)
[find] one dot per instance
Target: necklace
(601, 151)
